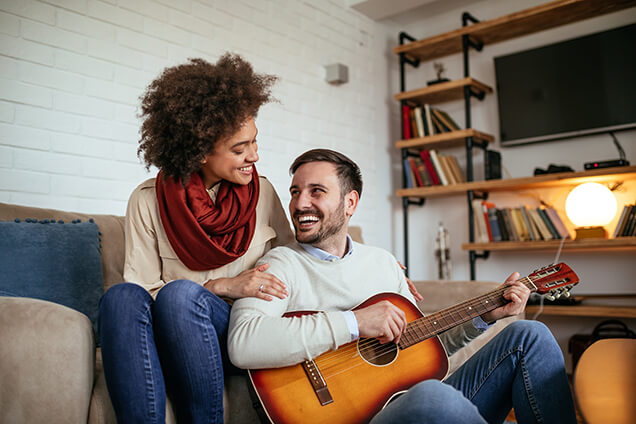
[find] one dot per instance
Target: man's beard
(327, 229)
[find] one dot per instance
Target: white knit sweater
(259, 337)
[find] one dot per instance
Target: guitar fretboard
(434, 324)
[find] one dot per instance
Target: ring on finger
(260, 289)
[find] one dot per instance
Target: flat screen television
(581, 86)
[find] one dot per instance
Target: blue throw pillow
(52, 261)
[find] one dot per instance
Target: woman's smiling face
(233, 158)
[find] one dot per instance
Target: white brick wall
(72, 71)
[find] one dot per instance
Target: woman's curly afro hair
(189, 107)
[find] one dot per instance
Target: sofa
(50, 368)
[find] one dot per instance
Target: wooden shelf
(563, 179)
(443, 92)
(585, 311)
(617, 244)
(447, 139)
(535, 19)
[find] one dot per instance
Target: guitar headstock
(554, 280)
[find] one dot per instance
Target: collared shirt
(323, 255)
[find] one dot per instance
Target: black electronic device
(493, 165)
(605, 164)
(609, 163)
(581, 86)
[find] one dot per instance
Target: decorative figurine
(439, 69)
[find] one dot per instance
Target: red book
(406, 121)
(416, 172)
(430, 169)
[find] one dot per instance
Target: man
(326, 271)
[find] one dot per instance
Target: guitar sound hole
(372, 351)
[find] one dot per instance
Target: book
(441, 120)
(437, 125)
(495, 229)
(408, 174)
(512, 230)
(529, 224)
(542, 229)
(503, 228)
(481, 232)
(548, 223)
(630, 224)
(447, 119)
(413, 125)
(438, 167)
(430, 168)
(621, 220)
(406, 121)
(484, 207)
(417, 113)
(417, 179)
(427, 115)
(421, 169)
(558, 222)
(519, 223)
(459, 174)
(443, 160)
(427, 130)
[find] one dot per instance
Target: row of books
(626, 226)
(522, 223)
(422, 121)
(428, 168)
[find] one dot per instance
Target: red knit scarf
(205, 234)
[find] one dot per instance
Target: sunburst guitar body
(354, 382)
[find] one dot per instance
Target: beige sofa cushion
(47, 356)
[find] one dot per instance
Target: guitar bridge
(317, 382)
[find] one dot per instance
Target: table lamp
(589, 207)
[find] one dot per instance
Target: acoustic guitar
(354, 382)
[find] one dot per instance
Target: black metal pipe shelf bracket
(468, 17)
(403, 57)
(479, 95)
(481, 144)
(406, 202)
(469, 42)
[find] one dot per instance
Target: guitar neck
(434, 324)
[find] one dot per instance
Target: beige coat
(150, 260)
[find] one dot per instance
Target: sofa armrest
(47, 357)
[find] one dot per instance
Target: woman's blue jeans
(173, 344)
(522, 367)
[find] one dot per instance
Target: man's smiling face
(317, 205)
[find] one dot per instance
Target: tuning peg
(567, 294)
(550, 297)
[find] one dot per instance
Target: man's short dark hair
(348, 172)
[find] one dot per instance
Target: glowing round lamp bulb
(590, 205)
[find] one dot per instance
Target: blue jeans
(173, 344)
(522, 367)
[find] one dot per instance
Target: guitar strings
(370, 344)
(414, 326)
(364, 346)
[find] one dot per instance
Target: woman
(193, 235)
